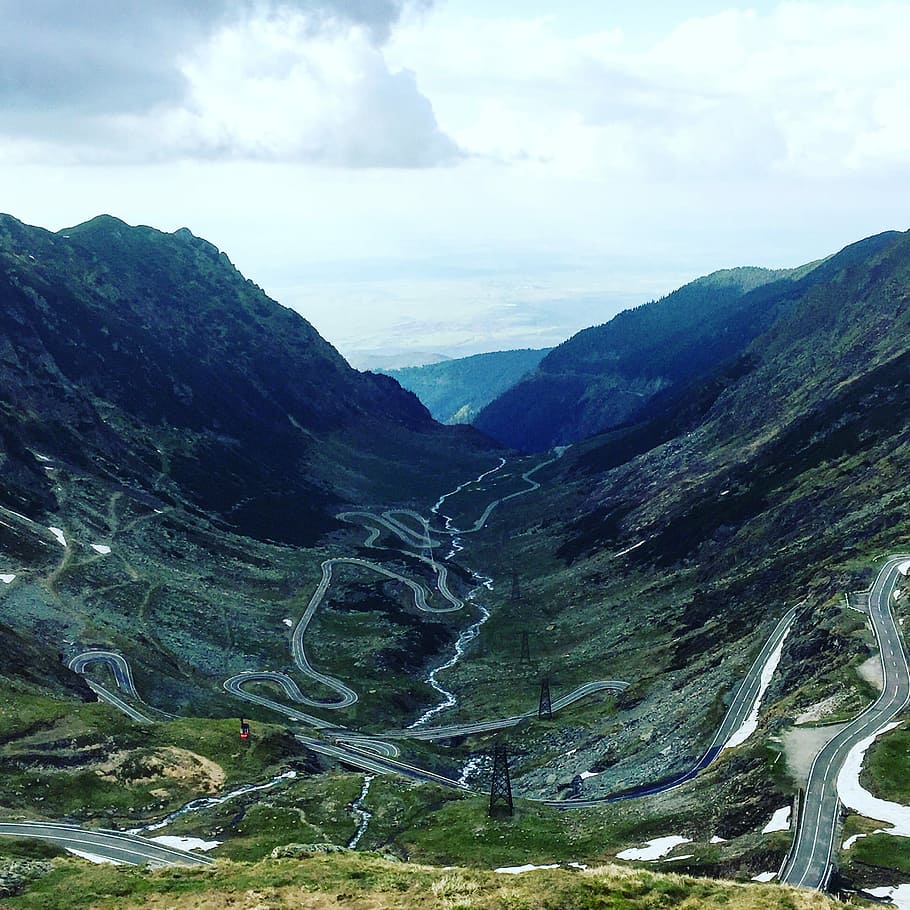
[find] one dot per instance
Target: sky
(457, 176)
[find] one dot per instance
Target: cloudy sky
(459, 175)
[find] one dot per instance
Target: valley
(271, 535)
(378, 752)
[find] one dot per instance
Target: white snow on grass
(7, 579)
(19, 515)
(780, 821)
(717, 840)
(288, 622)
(750, 725)
(517, 870)
(634, 546)
(588, 774)
(93, 857)
(655, 849)
(854, 796)
(674, 859)
(101, 548)
(899, 894)
(186, 843)
(764, 876)
(850, 841)
(58, 533)
(904, 567)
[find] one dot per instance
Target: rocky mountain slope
(454, 391)
(605, 376)
(159, 405)
(665, 549)
(148, 358)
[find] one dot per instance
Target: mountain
(767, 472)
(665, 549)
(454, 391)
(604, 376)
(148, 358)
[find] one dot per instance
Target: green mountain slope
(664, 551)
(454, 391)
(157, 404)
(605, 375)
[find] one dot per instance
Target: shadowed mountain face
(821, 394)
(612, 374)
(148, 358)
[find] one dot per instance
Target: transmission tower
(516, 587)
(525, 653)
(501, 785)
(545, 711)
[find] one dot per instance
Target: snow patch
(904, 567)
(186, 843)
(288, 622)
(764, 876)
(101, 548)
(586, 774)
(655, 849)
(516, 870)
(850, 841)
(7, 579)
(899, 894)
(634, 546)
(854, 796)
(780, 821)
(58, 533)
(717, 840)
(750, 725)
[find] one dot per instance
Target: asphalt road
(810, 859)
(740, 708)
(123, 676)
(111, 845)
(453, 731)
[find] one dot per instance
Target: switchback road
(810, 857)
(113, 846)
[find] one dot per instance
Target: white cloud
(808, 89)
(273, 89)
(270, 80)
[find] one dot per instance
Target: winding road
(123, 676)
(809, 862)
(113, 846)
(810, 859)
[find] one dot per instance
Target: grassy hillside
(370, 881)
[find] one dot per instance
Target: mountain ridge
(605, 375)
(114, 329)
